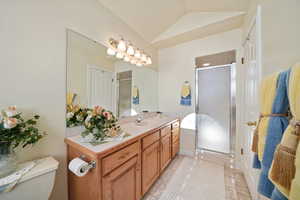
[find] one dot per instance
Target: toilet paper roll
(79, 167)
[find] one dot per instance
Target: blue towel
(256, 162)
(136, 100)
(277, 195)
(186, 101)
(275, 131)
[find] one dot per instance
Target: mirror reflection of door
(99, 87)
(124, 93)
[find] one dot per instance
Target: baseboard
(250, 179)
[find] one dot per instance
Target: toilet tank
(37, 184)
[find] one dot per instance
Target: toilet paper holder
(91, 164)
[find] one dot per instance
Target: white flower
(70, 115)
(11, 111)
(87, 120)
(10, 123)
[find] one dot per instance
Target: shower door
(213, 108)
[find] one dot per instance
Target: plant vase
(8, 160)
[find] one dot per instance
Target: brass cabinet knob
(252, 123)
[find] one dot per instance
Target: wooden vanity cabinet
(126, 171)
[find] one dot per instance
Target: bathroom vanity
(125, 169)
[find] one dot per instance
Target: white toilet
(37, 184)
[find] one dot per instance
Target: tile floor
(207, 176)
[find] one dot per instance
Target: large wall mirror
(94, 78)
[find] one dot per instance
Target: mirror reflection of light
(128, 113)
(189, 121)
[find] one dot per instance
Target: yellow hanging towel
(295, 107)
(283, 168)
(267, 95)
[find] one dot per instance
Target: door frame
(257, 23)
(232, 120)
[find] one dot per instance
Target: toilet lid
(42, 166)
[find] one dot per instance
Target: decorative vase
(8, 160)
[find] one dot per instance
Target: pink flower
(107, 115)
(11, 111)
(10, 123)
(97, 109)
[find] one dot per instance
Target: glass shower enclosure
(215, 108)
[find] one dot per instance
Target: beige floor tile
(200, 179)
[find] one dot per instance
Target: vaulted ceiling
(154, 20)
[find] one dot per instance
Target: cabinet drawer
(175, 125)
(150, 139)
(175, 134)
(116, 159)
(165, 131)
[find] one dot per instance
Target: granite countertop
(129, 127)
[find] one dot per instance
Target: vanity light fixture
(125, 50)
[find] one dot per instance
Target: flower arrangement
(98, 122)
(16, 131)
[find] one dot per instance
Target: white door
(251, 71)
(99, 88)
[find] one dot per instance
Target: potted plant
(15, 132)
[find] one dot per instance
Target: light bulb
(133, 61)
(120, 55)
(126, 59)
(130, 50)
(110, 52)
(139, 64)
(137, 54)
(149, 61)
(144, 58)
(122, 45)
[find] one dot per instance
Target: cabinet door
(150, 166)
(124, 182)
(175, 148)
(166, 151)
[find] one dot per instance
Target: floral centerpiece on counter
(100, 123)
(15, 132)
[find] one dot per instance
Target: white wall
(33, 63)
(177, 64)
